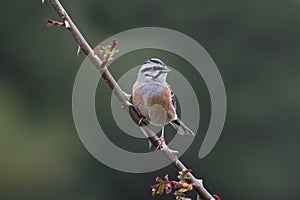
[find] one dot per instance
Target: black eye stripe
(146, 69)
(157, 68)
(152, 68)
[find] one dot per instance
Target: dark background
(255, 45)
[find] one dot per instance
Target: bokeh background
(255, 45)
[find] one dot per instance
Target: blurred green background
(255, 45)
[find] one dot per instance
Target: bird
(154, 99)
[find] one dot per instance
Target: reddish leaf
(216, 197)
(158, 179)
(155, 186)
(167, 178)
(168, 188)
(51, 22)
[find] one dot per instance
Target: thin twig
(100, 65)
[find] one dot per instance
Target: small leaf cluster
(107, 52)
(166, 186)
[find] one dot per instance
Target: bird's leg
(162, 132)
(161, 141)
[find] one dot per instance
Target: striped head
(153, 70)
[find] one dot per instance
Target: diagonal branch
(100, 65)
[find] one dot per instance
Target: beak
(166, 70)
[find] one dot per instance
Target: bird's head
(153, 70)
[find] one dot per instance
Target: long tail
(181, 128)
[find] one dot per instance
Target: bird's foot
(161, 143)
(162, 146)
(142, 121)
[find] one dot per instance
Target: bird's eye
(157, 68)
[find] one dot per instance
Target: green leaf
(160, 189)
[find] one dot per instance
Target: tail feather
(181, 129)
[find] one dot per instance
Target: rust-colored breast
(154, 103)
